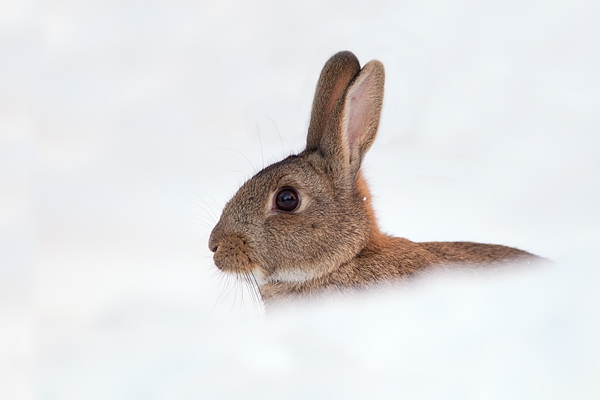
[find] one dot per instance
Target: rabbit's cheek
(231, 256)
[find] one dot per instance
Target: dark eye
(287, 199)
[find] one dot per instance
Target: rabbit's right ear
(353, 122)
(337, 73)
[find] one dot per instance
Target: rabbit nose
(213, 241)
(212, 244)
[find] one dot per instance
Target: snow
(126, 126)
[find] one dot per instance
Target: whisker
(203, 256)
(235, 287)
(213, 200)
(245, 174)
(257, 303)
(207, 204)
(209, 211)
(206, 223)
(202, 238)
(240, 153)
(195, 204)
(279, 134)
(260, 141)
(259, 299)
(206, 219)
(248, 284)
(250, 288)
(220, 296)
(203, 224)
(242, 292)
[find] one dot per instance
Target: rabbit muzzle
(230, 251)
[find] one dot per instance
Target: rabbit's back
(476, 253)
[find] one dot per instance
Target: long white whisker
(260, 141)
(213, 200)
(221, 297)
(251, 288)
(279, 134)
(210, 210)
(259, 299)
(240, 153)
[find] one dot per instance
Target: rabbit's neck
(384, 259)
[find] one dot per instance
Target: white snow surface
(125, 126)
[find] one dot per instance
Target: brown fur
(331, 243)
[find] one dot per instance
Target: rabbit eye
(287, 199)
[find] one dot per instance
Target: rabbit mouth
(230, 257)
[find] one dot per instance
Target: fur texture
(330, 242)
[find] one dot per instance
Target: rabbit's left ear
(335, 77)
(352, 128)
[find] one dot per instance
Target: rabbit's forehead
(293, 171)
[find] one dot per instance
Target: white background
(126, 125)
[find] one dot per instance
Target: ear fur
(352, 125)
(335, 76)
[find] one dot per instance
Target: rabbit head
(302, 217)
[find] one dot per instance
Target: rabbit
(305, 226)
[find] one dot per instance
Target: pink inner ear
(356, 114)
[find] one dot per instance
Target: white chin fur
(260, 277)
(282, 276)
